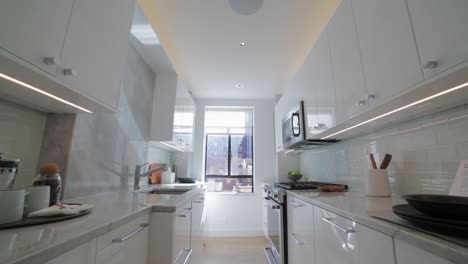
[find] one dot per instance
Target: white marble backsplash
(107, 146)
(21, 131)
(426, 153)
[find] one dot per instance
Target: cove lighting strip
(6, 77)
(458, 87)
(169, 145)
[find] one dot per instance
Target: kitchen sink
(168, 191)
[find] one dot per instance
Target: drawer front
(105, 240)
(340, 240)
(182, 235)
(300, 231)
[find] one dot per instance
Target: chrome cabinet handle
(297, 205)
(346, 230)
(120, 240)
(51, 61)
(199, 200)
(295, 239)
(188, 252)
(189, 210)
(430, 65)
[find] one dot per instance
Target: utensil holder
(377, 183)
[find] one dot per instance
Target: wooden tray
(41, 220)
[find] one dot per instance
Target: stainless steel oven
(276, 225)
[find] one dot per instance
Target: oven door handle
(273, 205)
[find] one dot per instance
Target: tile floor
(233, 250)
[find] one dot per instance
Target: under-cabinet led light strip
(169, 145)
(6, 77)
(458, 87)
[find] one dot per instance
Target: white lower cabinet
(343, 241)
(170, 234)
(84, 254)
(409, 254)
(126, 244)
(300, 232)
(198, 229)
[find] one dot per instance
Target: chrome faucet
(138, 174)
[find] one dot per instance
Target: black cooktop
(305, 185)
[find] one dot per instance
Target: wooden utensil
(372, 160)
(386, 161)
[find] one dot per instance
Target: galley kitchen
(233, 131)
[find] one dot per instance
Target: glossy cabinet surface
(198, 229)
(278, 115)
(34, 30)
(84, 253)
(134, 249)
(182, 233)
(348, 76)
(340, 240)
(409, 254)
(301, 248)
(388, 49)
(95, 48)
(440, 31)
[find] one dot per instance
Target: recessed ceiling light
(239, 85)
(242, 44)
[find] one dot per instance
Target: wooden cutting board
(155, 178)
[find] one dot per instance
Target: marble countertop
(37, 244)
(360, 208)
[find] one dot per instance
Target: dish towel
(60, 210)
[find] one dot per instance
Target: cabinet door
(134, 249)
(409, 254)
(182, 235)
(279, 126)
(188, 120)
(317, 89)
(340, 240)
(34, 30)
(198, 229)
(96, 47)
(348, 76)
(83, 254)
(300, 231)
(389, 55)
(441, 34)
(178, 135)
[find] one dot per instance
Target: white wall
(238, 214)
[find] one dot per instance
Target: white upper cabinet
(35, 30)
(279, 126)
(351, 94)
(389, 55)
(173, 113)
(96, 47)
(441, 33)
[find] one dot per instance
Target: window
(229, 149)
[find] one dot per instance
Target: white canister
(11, 205)
(168, 178)
(377, 183)
(37, 199)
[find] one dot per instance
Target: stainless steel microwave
(294, 131)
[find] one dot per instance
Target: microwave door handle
(298, 123)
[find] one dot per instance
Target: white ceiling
(202, 37)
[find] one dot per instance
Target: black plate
(452, 227)
(443, 206)
(187, 180)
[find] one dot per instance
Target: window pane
(242, 185)
(216, 155)
(241, 155)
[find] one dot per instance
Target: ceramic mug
(37, 198)
(11, 205)
(377, 183)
